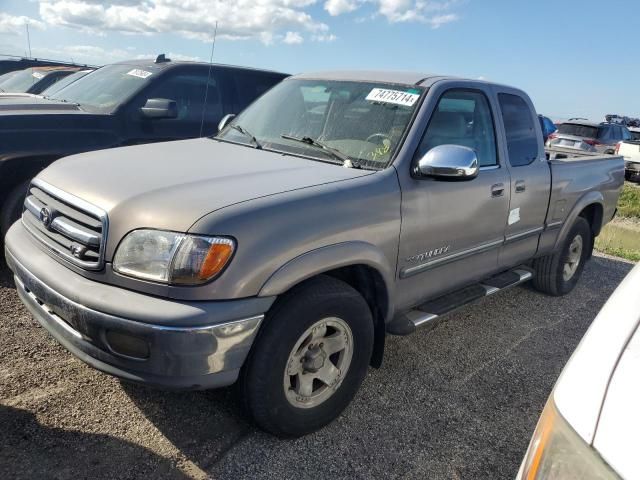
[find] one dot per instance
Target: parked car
(589, 427)
(630, 150)
(547, 126)
(35, 80)
(11, 63)
(55, 88)
(602, 136)
(335, 209)
(126, 103)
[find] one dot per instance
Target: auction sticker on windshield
(136, 72)
(396, 97)
(38, 75)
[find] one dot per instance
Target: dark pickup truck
(127, 103)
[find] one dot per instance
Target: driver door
(452, 230)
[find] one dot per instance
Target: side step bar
(427, 313)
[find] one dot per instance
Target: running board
(428, 313)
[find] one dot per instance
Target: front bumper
(179, 355)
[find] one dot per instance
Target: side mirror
(160, 108)
(225, 120)
(451, 162)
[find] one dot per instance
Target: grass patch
(629, 202)
(621, 236)
(633, 255)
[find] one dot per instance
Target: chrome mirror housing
(453, 162)
(225, 120)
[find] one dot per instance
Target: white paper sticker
(38, 75)
(136, 72)
(514, 216)
(396, 97)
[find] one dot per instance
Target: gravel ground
(458, 402)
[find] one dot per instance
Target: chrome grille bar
(70, 227)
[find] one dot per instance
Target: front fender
(329, 258)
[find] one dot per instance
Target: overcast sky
(575, 58)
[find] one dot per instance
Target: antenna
(28, 38)
(206, 89)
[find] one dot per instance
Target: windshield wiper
(245, 132)
(346, 161)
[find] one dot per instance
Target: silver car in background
(589, 427)
(589, 136)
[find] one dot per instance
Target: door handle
(520, 186)
(497, 190)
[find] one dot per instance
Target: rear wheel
(309, 359)
(558, 273)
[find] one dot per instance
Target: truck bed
(577, 176)
(573, 154)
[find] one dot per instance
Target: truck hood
(171, 185)
(16, 104)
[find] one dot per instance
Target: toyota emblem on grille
(45, 216)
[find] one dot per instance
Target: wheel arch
(19, 168)
(591, 207)
(359, 264)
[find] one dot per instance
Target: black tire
(628, 176)
(549, 269)
(261, 381)
(12, 207)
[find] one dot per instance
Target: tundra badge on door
(429, 254)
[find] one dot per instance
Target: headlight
(558, 452)
(170, 257)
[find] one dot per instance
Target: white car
(630, 150)
(590, 427)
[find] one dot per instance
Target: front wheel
(309, 359)
(557, 274)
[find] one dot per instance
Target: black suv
(125, 103)
(36, 80)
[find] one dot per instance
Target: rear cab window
(519, 126)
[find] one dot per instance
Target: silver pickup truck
(336, 209)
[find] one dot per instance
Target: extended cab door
(452, 230)
(530, 177)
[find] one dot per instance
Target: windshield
(22, 81)
(7, 76)
(578, 130)
(635, 135)
(105, 88)
(59, 85)
(362, 121)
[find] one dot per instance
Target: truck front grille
(70, 227)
